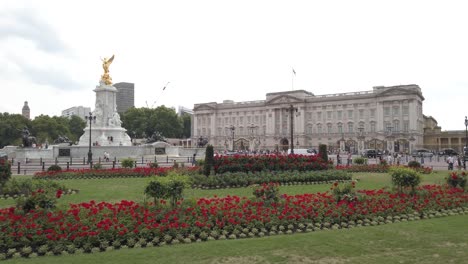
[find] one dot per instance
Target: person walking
(194, 161)
(450, 162)
(350, 158)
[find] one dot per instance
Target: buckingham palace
(385, 118)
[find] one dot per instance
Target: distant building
(437, 140)
(26, 112)
(125, 96)
(184, 110)
(79, 111)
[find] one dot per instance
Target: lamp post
(291, 109)
(90, 118)
(252, 136)
(466, 134)
(232, 128)
(465, 150)
(361, 138)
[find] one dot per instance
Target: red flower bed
(103, 173)
(88, 224)
(247, 163)
(364, 168)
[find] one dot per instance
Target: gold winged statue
(105, 65)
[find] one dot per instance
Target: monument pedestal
(106, 129)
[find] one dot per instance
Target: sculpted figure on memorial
(105, 65)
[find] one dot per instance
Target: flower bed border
(202, 187)
(251, 233)
(16, 196)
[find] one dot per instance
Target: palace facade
(385, 118)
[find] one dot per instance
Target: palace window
(350, 114)
(372, 113)
(350, 127)
(339, 114)
(329, 128)
(386, 111)
(406, 126)
(405, 110)
(396, 125)
(372, 126)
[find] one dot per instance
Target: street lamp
(361, 138)
(90, 154)
(466, 134)
(465, 150)
(232, 128)
(291, 109)
(252, 136)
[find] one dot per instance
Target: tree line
(139, 122)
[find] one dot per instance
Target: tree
(145, 121)
(209, 160)
(166, 121)
(323, 153)
(186, 121)
(10, 127)
(76, 126)
(46, 128)
(135, 120)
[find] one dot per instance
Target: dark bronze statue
(157, 136)
(62, 139)
(201, 142)
(28, 140)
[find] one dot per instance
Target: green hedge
(238, 179)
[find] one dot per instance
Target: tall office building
(125, 96)
(26, 112)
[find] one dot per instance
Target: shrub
(268, 192)
(27, 186)
(175, 165)
(414, 164)
(54, 168)
(127, 163)
(209, 160)
(169, 187)
(245, 179)
(404, 178)
(360, 161)
(456, 179)
(153, 165)
(345, 191)
(45, 199)
(97, 166)
(5, 171)
(323, 153)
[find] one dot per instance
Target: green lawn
(441, 240)
(112, 190)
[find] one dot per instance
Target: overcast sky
(210, 51)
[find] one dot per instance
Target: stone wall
(114, 151)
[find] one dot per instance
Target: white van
(302, 152)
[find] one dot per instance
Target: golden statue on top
(105, 65)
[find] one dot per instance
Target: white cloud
(213, 50)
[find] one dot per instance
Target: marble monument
(106, 129)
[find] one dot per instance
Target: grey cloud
(26, 24)
(55, 77)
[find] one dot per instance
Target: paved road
(436, 162)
